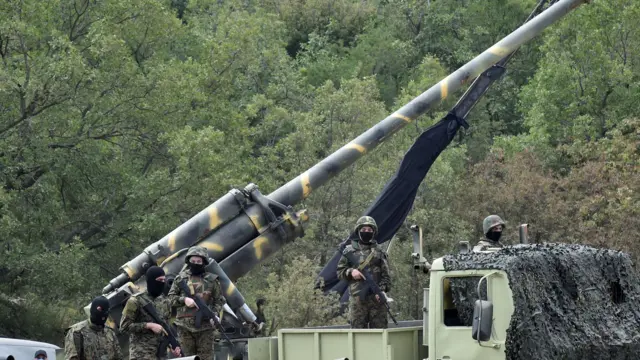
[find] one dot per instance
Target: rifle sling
(366, 261)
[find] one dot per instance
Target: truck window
(459, 296)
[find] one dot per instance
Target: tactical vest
(360, 288)
(201, 285)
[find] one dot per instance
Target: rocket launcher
(245, 227)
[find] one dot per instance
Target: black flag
(393, 204)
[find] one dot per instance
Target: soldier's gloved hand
(176, 351)
(356, 274)
(190, 302)
(156, 328)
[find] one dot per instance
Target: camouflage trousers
(139, 352)
(368, 313)
(197, 343)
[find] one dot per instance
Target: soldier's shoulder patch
(348, 249)
(210, 276)
(78, 326)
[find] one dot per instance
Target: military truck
(244, 227)
(520, 302)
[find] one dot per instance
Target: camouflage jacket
(143, 343)
(378, 266)
(207, 287)
(484, 245)
(85, 341)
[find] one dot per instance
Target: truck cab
(448, 322)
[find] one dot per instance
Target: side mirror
(419, 261)
(482, 320)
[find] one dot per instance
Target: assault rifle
(371, 284)
(203, 310)
(170, 338)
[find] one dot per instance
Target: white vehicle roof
(25, 349)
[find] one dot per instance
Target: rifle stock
(170, 338)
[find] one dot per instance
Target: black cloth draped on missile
(394, 202)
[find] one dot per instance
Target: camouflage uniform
(143, 343)
(260, 318)
(86, 341)
(365, 309)
(488, 223)
(196, 341)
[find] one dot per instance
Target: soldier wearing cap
(492, 227)
(40, 354)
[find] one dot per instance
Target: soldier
(91, 339)
(145, 336)
(260, 318)
(196, 341)
(492, 227)
(40, 355)
(366, 308)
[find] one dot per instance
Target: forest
(120, 120)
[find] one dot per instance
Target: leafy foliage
(121, 120)
(299, 304)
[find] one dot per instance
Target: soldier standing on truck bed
(196, 340)
(366, 309)
(91, 339)
(145, 336)
(492, 227)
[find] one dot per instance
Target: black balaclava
(196, 269)
(494, 235)
(154, 287)
(366, 237)
(99, 311)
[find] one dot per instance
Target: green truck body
(520, 302)
(430, 338)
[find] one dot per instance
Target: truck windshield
(459, 295)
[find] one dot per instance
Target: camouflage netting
(570, 301)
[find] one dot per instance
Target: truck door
(452, 315)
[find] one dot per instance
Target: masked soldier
(366, 308)
(492, 227)
(91, 339)
(145, 335)
(196, 340)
